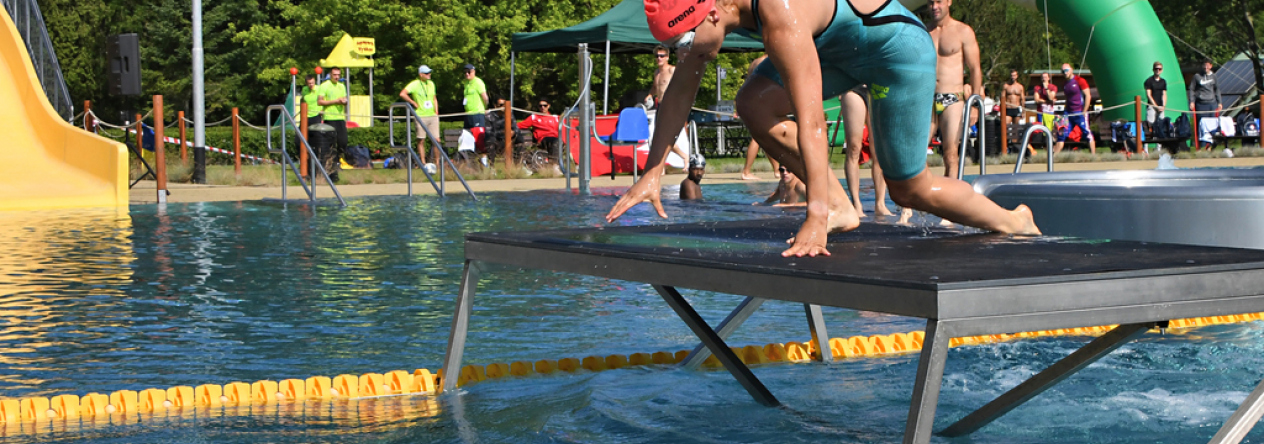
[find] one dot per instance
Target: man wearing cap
(691, 187)
(817, 49)
(420, 93)
(474, 98)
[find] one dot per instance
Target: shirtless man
(818, 49)
(1015, 97)
(662, 75)
(958, 49)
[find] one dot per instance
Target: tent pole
(605, 84)
(512, 66)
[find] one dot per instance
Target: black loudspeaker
(123, 53)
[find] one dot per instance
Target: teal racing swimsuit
(890, 51)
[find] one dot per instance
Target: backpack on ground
(1162, 128)
(358, 156)
(1182, 128)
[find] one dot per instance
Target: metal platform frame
(1141, 300)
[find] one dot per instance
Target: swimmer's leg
(854, 126)
(955, 200)
(950, 129)
(879, 191)
(764, 105)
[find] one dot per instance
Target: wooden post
(508, 136)
(88, 123)
(140, 131)
(1004, 127)
(302, 151)
(184, 143)
(236, 143)
(160, 156)
(1137, 100)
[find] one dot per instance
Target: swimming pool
(223, 292)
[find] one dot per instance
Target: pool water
(204, 293)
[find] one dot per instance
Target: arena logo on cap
(673, 22)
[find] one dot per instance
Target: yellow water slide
(44, 161)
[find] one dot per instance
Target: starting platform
(963, 285)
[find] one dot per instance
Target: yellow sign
(365, 46)
(351, 52)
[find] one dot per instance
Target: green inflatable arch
(1124, 38)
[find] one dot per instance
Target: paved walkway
(145, 192)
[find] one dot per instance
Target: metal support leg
(930, 374)
(460, 324)
(1060, 370)
(727, 327)
(1242, 420)
(816, 324)
(717, 346)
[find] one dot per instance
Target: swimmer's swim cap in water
(670, 18)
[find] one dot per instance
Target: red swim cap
(670, 18)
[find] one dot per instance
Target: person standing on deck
(1078, 101)
(817, 49)
(958, 49)
(420, 93)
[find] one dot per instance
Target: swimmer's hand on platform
(645, 189)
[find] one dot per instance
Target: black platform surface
(935, 259)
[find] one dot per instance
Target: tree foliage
(250, 45)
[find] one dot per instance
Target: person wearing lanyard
(420, 93)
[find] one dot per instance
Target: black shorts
(475, 121)
(1014, 112)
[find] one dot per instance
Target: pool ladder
(287, 162)
(977, 101)
(410, 115)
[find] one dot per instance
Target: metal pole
(371, 101)
(585, 123)
(605, 85)
(199, 99)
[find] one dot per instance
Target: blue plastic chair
(632, 128)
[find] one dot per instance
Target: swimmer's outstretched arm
(673, 111)
(791, 49)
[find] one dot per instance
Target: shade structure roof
(624, 26)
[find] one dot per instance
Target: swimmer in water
(790, 191)
(817, 49)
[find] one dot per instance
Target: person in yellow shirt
(333, 97)
(420, 93)
(308, 95)
(474, 97)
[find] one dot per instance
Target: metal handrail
(965, 135)
(565, 132)
(287, 162)
(30, 24)
(1022, 151)
(411, 116)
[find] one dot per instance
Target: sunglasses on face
(661, 56)
(544, 105)
(782, 169)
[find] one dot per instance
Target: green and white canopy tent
(620, 30)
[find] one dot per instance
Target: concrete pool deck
(144, 192)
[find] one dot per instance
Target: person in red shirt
(543, 126)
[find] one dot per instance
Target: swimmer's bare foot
(1025, 222)
(748, 176)
(881, 210)
(945, 222)
(839, 221)
(906, 215)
